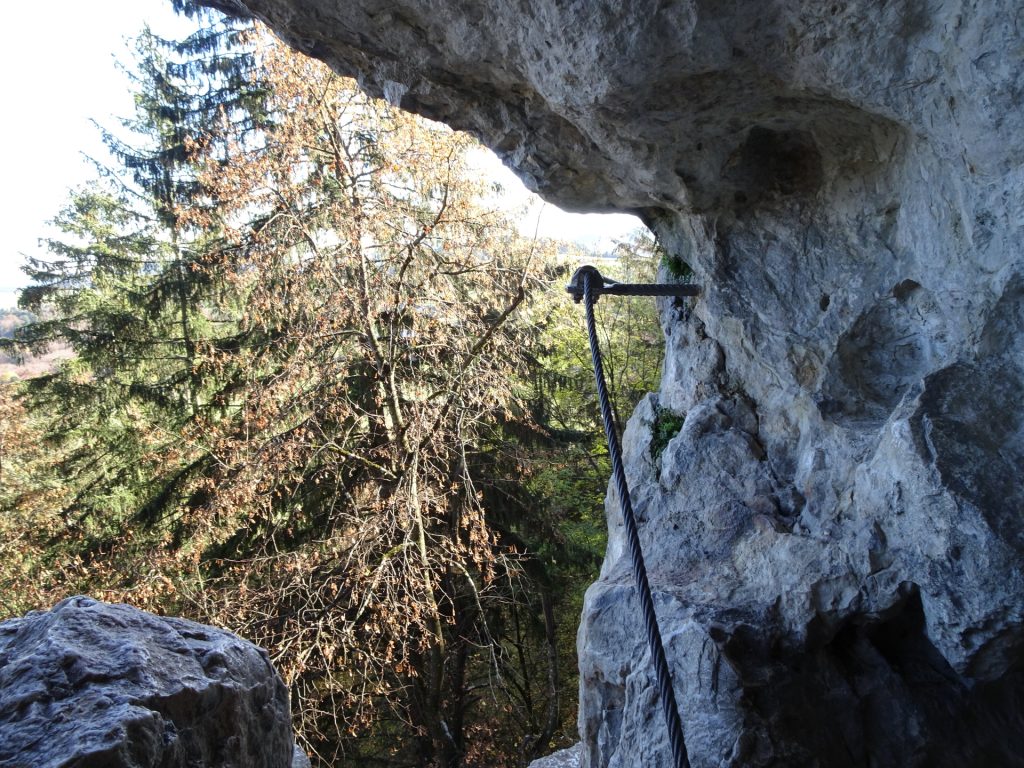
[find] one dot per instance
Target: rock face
(836, 534)
(89, 684)
(564, 758)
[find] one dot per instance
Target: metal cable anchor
(600, 284)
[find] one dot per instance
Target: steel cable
(661, 670)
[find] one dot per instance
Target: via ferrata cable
(588, 284)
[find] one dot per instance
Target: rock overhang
(651, 104)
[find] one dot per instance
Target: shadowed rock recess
(836, 534)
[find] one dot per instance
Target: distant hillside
(11, 319)
(11, 367)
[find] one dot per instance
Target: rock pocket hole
(904, 288)
(775, 163)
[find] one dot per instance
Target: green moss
(667, 424)
(676, 267)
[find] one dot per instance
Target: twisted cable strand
(661, 670)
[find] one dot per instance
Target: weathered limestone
(90, 684)
(835, 536)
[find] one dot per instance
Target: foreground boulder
(92, 684)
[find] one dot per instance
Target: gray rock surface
(836, 534)
(299, 758)
(563, 758)
(90, 685)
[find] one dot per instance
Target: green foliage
(676, 267)
(129, 289)
(667, 424)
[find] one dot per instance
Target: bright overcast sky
(58, 73)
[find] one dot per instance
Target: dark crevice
(873, 691)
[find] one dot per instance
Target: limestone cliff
(835, 536)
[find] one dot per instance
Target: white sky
(58, 73)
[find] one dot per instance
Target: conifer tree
(125, 287)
